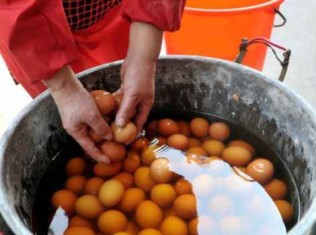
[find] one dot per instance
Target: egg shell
(199, 127)
(132, 162)
(76, 166)
(173, 225)
(89, 207)
(126, 134)
(65, 199)
(112, 221)
(106, 170)
(111, 193)
(125, 178)
(178, 141)
(236, 156)
(104, 100)
(143, 179)
(163, 194)
(244, 144)
(261, 170)
(148, 214)
(115, 151)
(131, 199)
(277, 189)
(213, 147)
(93, 185)
(185, 206)
(184, 128)
(160, 170)
(167, 127)
(286, 210)
(76, 184)
(183, 186)
(219, 131)
(79, 231)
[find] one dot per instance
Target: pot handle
(282, 16)
(286, 54)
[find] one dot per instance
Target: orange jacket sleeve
(164, 14)
(35, 39)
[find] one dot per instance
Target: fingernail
(105, 159)
(108, 137)
(120, 122)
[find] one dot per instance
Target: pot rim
(18, 227)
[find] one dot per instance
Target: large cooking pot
(264, 106)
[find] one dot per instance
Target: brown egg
(148, 155)
(152, 127)
(178, 141)
(161, 141)
(261, 170)
(125, 178)
(132, 162)
(183, 186)
(89, 207)
(93, 185)
(276, 189)
(104, 100)
(148, 214)
(173, 225)
(150, 231)
(184, 128)
(197, 151)
(106, 170)
(193, 226)
(126, 134)
(160, 170)
(76, 183)
(236, 156)
(116, 152)
(167, 127)
(219, 131)
(76, 166)
(140, 144)
(242, 143)
(286, 210)
(65, 199)
(131, 199)
(78, 221)
(193, 142)
(112, 221)
(199, 127)
(94, 136)
(163, 194)
(143, 179)
(79, 231)
(132, 228)
(111, 193)
(185, 206)
(213, 147)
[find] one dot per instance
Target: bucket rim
(197, 10)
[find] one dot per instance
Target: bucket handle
(286, 55)
(282, 16)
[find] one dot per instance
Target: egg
(183, 186)
(131, 199)
(126, 134)
(76, 166)
(197, 151)
(150, 231)
(148, 214)
(193, 142)
(79, 231)
(213, 147)
(160, 170)
(286, 210)
(143, 179)
(219, 131)
(112, 221)
(111, 193)
(167, 127)
(184, 128)
(121, 233)
(261, 170)
(93, 185)
(193, 224)
(178, 141)
(185, 206)
(115, 151)
(173, 225)
(277, 189)
(236, 156)
(104, 100)
(242, 143)
(199, 127)
(76, 183)
(152, 127)
(65, 199)
(139, 144)
(132, 228)
(89, 207)
(78, 221)
(125, 178)
(148, 155)
(163, 194)
(160, 140)
(106, 170)
(94, 136)
(132, 162)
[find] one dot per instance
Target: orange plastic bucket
(216, 27)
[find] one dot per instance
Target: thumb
(126, 111)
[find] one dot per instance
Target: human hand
(138, 73)
(78, 112)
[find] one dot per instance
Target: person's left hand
(138, 90)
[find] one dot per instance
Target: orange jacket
(36, 40)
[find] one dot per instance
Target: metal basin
(264, 106)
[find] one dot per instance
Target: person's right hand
(78, 112)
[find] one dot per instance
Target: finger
(89, 147)
(100, 126)
(143, 112)
(126, 111)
